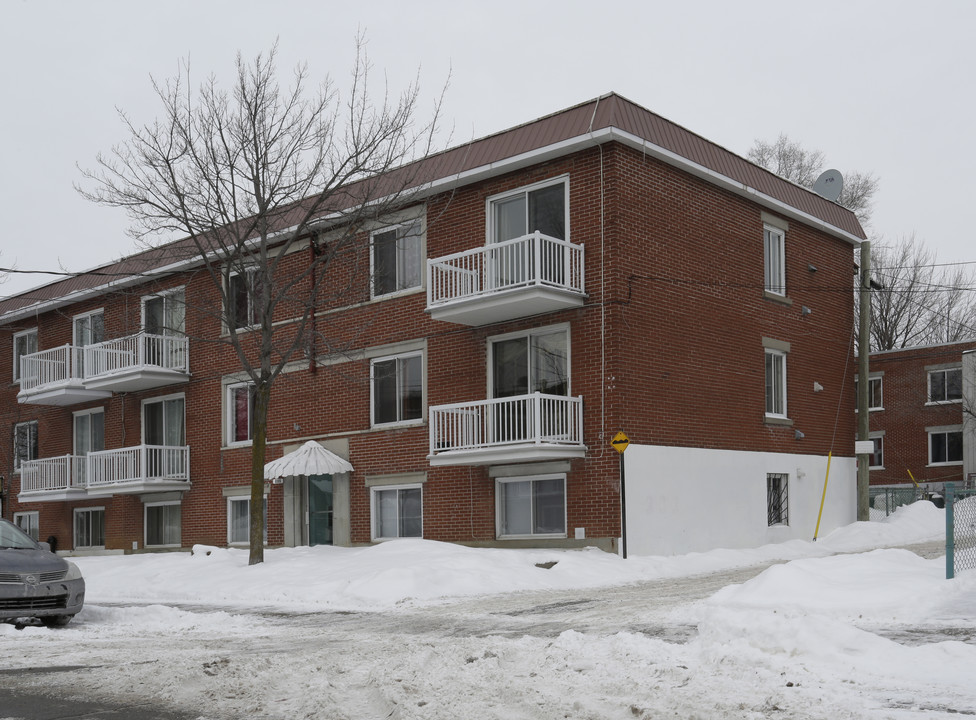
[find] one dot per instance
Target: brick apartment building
(594, 271)
(918, 417)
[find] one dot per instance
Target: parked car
(36, 583)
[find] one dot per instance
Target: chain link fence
(960, 529)
(885, 500)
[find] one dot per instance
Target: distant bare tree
(919, 302)
(792, 161)
(246, 175)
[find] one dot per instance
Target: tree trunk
(259, 437)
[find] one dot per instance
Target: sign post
(619, 443)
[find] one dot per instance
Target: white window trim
(29, 514)
(422, 231)
(158, 399)
(74, 539)
(525, 189)
(423, 390)
(145, 523)
(80, 316)
(879, 435)
(374, 510)
(545, 330)
(942, 430)
(784, 384)
(161, 294)
(74, 428)
(13, 350)
(499, 506)
(227, 391)
(13, 454)
(245, 498)
(780, 234)
(928, 380)
(785, 506)
(227, 310)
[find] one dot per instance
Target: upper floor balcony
(524, 428)
(502, 281)
(67, 375)
(124, 471)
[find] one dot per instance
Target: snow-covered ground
(419, 629)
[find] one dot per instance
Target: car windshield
(12, 537)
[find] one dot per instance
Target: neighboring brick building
(597, 270)
(917, 415)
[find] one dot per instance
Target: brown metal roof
(479, 158)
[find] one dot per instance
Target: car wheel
(56, 620)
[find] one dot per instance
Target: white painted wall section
(682, 500)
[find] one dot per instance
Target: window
(775, 383)
(398, 512)
(540, 208)
(25, 443)
(531, 506)
(164, 430)
(945, 385)
(239, 520)
(398, 389)
(25, 343)
(530, 363)
(165, 313)
(240, 412)
(89, 528)
(945, 445)
(88, 329)
(244, 294)
(28, 522)
(875, 393)
(89, 436)
(877, 455)
(163, 524)
(777, 499)
(774, 250)
(397, 259)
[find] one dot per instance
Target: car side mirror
(44, 546)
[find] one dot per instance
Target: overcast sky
(882, 86)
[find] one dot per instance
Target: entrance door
(320, 510)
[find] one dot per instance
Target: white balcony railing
(60, 365)
(534, 260)
(139, 464)
(52, 474)
(135, 351)
(536, 419)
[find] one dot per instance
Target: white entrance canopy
(310, 459)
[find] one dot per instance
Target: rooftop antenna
(829, 185)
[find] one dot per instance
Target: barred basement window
(777, 499)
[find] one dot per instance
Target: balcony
(56, 377)
(67, 375)
(57, 478)
(126, 471)
(137, 362)
(502, 281)
(525, 428)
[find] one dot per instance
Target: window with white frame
(774, 251)
(945, 385)
(526, 363)
(397, 512)
(24, 343)
(875, 392)
(25, 443)
(89, 530)
(543, 207)
(531, 506)
(397, 258)
(165, 313)
(164, 524)
(239, 411)
(945, 445)
(397, 385)
(775, 383)
(244, 295)
(877, 454)
(777, 499)
(239, 520)
(29, 522)
(88, 329)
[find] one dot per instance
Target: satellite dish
(829, 185)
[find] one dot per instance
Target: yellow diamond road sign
(620, 442)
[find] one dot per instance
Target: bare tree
(792, 161)
(246, 176)
(916, 300)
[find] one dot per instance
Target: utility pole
(863, 384)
